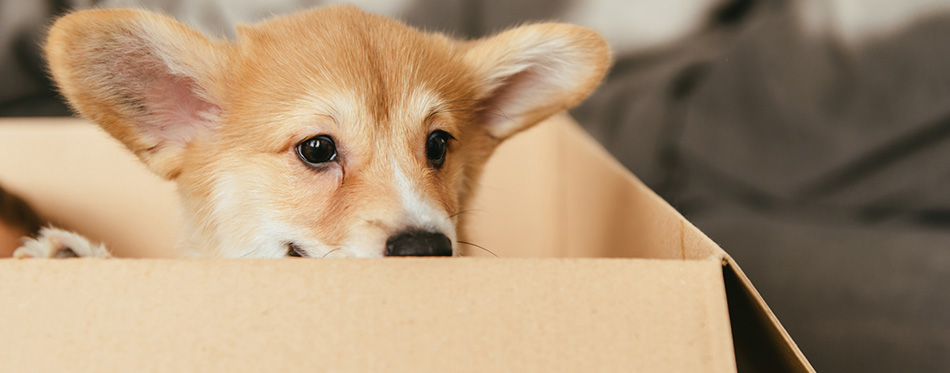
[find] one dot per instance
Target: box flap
(430, 315)
(571, 198)
(593, 206)
(762, 344)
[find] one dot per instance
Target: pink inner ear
(508, 100)
(175, 111)
(517, 97)
(159, 97)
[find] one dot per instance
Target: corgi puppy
(326, 133)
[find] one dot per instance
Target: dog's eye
(317, 150)
(436, 147)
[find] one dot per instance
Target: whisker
(480, 247)
(330, 252)
(465, 212)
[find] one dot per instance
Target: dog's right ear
(149, 81)
(529, 73)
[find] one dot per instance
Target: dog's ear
(149, 81)
(531, 72)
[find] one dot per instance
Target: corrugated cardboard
(670, 300)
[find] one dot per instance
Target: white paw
(57, 243)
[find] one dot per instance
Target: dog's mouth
(295, 251)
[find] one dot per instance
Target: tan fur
(51, 242)
(222, 118)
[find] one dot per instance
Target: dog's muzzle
(419, 243)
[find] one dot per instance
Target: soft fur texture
(223, 118)
(57, 243)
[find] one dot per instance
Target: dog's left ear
(532, 72)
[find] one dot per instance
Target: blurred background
(809, 138)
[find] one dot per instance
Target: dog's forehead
(342, 54)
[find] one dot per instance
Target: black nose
(417, 243)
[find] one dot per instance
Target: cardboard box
(597, 273)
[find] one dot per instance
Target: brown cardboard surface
(477, 315)
(571, 198)
(551, 192)
(72, 173)
(601, 210)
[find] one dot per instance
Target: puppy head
(330, 132)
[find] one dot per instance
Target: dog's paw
(57, 243)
